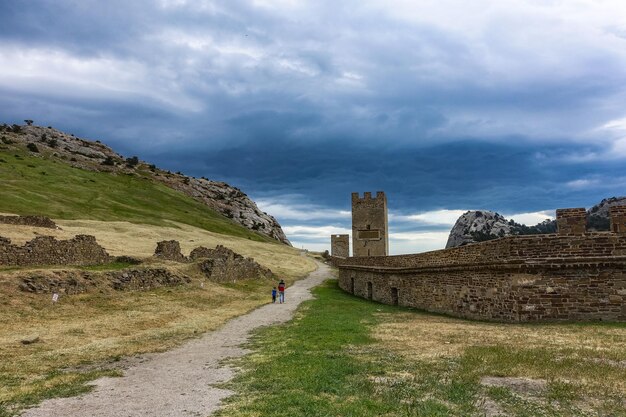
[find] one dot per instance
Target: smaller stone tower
(340, 245)
(618, 219)
(370, 236)
(571, 221)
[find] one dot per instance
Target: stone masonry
(37, 221)
(572, 275)
(46, 250)
(618, 219)
(370, 235)
(169, 250)
(340, 246)
(571, 221)
(223, 265)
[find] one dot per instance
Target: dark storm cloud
(449, 105)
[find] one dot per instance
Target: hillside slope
(46, 171)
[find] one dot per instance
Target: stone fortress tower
(340, 246)
(370, 235)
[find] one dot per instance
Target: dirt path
(179, 382)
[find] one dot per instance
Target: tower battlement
(370, 236)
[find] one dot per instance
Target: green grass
(309, 367)
(326, 363)
(38, 186)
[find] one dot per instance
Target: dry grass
(139, 240)
(82, 332)
(584, 365)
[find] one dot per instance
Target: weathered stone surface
(170, 250)
(46, 250)
(370, 231)
(512, 279)
(37, 221)
(340, 245)
(77, 282)
(571, 221)
(481, 225)
(474, 226)
(223, 265)
(30, 340)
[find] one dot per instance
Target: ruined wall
(78, 282)
(37, 221)
(340, 245)
(46, 250)
(370, 236)
(223, 265)
(565, 276)
(618, 219)
(169, 250)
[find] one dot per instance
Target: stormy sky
(517, 106)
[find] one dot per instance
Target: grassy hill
(32, 184)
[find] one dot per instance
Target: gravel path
(179, 382)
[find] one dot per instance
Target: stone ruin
(37, 221)
(46, 250)
(169, 250)
(78, 282)
(571, 275)
(219, 265)
(223, 265)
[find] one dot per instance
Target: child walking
(274, 295)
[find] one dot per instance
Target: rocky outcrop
(223, 265)
(169, 250)
(480, 225)
(477, 226)
(227, 200)
(46, 250)
(36, 221)
(78, 282)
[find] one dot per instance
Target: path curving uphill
(180, 382)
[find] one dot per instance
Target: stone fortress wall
(572, 275)
(340, 246)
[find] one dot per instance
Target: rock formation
(477, 226)
(480, 225)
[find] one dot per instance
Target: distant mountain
(480, 225)
(229, 201)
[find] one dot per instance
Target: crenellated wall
(520, 278)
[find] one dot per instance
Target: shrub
(32, 147)
(132, 161)
(53, 143)
(109, 161)
(17, 129)
(28, 122)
